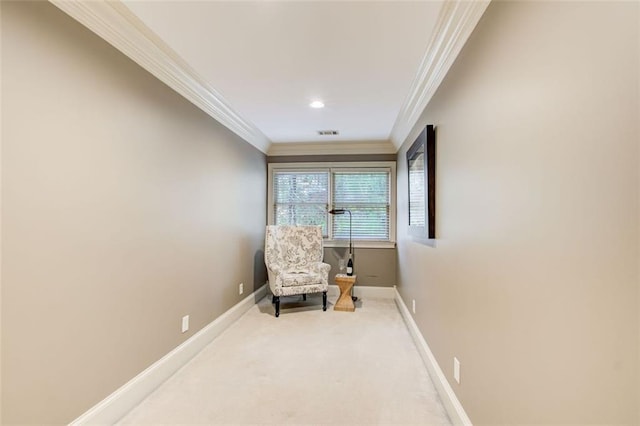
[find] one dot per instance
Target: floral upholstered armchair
(293, 255)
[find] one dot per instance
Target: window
(366, 195)
(301, 198)
(302, 194)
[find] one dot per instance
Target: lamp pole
(350, 244)
(343, 211)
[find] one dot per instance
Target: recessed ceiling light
(317, 104)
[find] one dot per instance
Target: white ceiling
(270, 59)
(256, 65)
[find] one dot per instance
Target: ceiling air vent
(327, 132)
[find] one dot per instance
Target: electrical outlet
(185, 323)
(456, 369)
(413, 305)
(241, 288)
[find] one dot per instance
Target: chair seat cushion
(291, 279)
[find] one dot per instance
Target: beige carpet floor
(306, 367)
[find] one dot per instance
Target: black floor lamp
(342, 211)
(350, 264)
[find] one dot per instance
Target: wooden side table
(345, 303)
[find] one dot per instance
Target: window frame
(330, 167)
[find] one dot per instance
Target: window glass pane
(301, 198)
(361, 187)
(302, 214)
(366, 195)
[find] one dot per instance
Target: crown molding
(116, 24)
(455, 24)
(331, 148)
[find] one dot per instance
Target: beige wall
(124, 208)
(375, 267)
(1, 97)
(334, 158)
(533, 281)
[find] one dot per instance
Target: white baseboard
(366, 291)
(450, 401)
(124, 399)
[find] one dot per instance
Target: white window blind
(301, 198)
(367, 195)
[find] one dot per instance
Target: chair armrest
(276, 269)
(321, 267)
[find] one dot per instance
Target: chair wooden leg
(324, 300)
(273, 300)
(277, 302)
(304, 297)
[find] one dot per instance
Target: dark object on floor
(275, 300)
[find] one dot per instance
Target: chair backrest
(293, 246)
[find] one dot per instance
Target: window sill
(361, 244)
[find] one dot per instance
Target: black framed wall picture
(421, 162)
